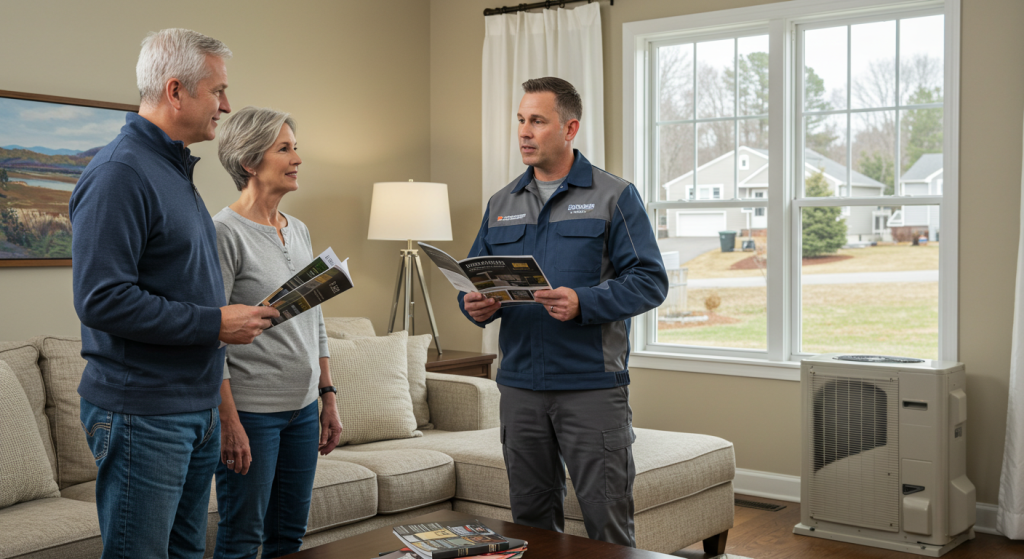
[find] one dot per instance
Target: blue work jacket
(593, 235)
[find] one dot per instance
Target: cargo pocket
(581, 245)
(619, 469)
(506, 240)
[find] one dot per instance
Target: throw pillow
(23, 357)
(418, 346)
(373, 388)
(341, 326)
(25, 473)
(417, 356)
(61, 363)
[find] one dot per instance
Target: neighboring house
(716, 180)
(923, 178)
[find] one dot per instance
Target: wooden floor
(769, 535)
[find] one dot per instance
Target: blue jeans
(270, 504)
(153, 484)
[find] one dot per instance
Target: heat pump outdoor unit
(884, 459)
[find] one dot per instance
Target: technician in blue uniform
(563, 377)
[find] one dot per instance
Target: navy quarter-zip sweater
(147, 280)
(593, 235)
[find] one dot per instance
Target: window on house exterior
(862, 117)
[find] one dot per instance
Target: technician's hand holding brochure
(322, 279)
(433, 540)
(510, 279)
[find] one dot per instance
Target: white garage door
(699, 224)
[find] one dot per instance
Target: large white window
(792, 159)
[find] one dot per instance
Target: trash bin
(728, 240)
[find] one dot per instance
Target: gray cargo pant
(590, 432)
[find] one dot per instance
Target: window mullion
(696, 136)
(736, 122)
(897, 188)
(849, 105)
(780, 132)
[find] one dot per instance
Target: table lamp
(403, 211)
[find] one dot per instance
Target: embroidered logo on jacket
(580, 208)
(513, 217)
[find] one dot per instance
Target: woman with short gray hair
(270, 433)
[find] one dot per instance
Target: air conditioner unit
(884, 444)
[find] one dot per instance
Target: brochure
(433, 540)
(319, 281)
(510, 279)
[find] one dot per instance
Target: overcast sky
(825, 50)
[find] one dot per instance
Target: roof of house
(811, 158)
(926, 166)
(835, 169)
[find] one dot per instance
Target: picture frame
(45, 144)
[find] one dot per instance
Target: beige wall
(367, 113)
(762, 417)
(355, 77)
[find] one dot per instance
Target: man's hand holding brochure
(321, 280)
(509, 279)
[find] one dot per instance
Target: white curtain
(561, 43)
(1010, 518)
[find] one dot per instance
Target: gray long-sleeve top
(280, 370)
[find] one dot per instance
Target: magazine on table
(510, 279)
(319, 281)
(510, 553)
(434, 540)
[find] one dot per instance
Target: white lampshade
(410, 210)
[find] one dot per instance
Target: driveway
(688, 247)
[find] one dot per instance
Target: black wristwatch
(327, 389)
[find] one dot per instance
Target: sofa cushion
(23, 357)
(373, 388)
(81, 492)
(343, 493)
(61, 528)
(61, 364)
(25, 473)
(669, 466)
(406, 479)
(479, 466)
(341, 326)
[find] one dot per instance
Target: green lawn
(880, 318)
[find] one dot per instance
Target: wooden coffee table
(542, 544)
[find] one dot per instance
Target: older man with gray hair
(148, 290)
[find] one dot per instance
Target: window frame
(781, 359)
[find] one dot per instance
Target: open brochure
(322, 279)
(435, 540)
(510, 279)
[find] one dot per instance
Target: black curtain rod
(535, 5)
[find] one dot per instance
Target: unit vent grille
(854, 450)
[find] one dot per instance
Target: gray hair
(246, 136)
(174, 53)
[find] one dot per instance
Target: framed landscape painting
(45, 144)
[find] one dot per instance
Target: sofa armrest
(459, 403)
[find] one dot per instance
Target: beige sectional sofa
(683, 488)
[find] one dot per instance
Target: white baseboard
(787, 488)
(768, 485)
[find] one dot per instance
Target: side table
(466, 363)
